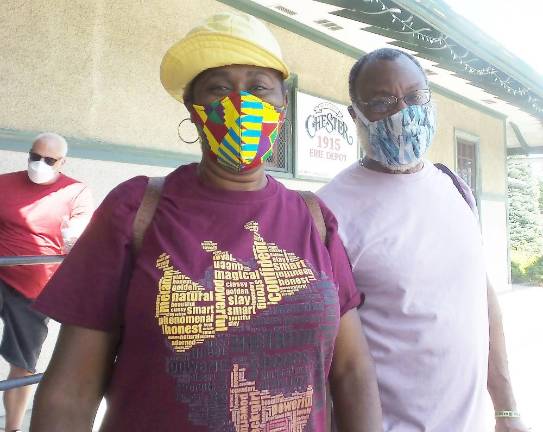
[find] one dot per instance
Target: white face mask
(39, 172)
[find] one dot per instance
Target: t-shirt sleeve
(82, 210)
(349, 296)
(89, 288)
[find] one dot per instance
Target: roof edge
(292, 25)
(464, 32)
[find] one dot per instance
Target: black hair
(378, 54)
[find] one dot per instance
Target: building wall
(453, 118)
(91, 69)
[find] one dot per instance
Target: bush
(527, 271)
(517, 273)
(534, 272)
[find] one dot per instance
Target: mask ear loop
(179, 132)
(287, 133)
(361, 128)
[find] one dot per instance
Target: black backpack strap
(445, 169)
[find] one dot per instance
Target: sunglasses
(34, 157)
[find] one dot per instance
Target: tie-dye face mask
(240, 129)
(402, 139)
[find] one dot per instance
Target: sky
(515, 25)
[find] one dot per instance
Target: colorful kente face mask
(240, 129)
(402, 139)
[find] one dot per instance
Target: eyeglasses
(34, 157)
(387, 103)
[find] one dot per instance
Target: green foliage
(534, 272)
(524, 227)
(517, 273)
(528, 273)
(525, 215)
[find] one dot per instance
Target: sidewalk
(522, 311)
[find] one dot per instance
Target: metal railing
(8, 261)
(20, 382)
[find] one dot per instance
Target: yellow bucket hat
(223, 39)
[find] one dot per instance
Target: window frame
(472, 139)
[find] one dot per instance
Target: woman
(227, 318)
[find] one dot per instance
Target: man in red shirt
(42, 213)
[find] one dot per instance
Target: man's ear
(351, 112)
(61, 163)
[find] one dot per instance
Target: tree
(525, 231)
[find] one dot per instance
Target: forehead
(234, 72)
(47, 147)
(388, 76)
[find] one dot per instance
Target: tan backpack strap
(314, 207)
(146, 211)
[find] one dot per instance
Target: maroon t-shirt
(228, 315)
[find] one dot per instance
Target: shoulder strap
(150, 199)
(314, 207)
(312, 204)
(146, 211)
(445, 169)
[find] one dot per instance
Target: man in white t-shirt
(432, 322)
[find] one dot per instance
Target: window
(280, 160)
(466, 161)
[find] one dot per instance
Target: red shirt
(30, 219)
(228, 316)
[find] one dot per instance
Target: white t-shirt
(416, 251)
